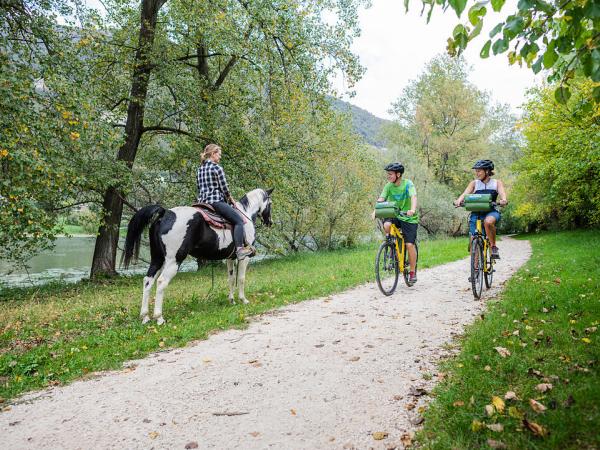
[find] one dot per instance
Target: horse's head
(265, 208)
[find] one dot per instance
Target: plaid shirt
(212, 185)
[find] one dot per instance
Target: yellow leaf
(153, 435)
(379, 435)
(586, 340)
(514, 412)
(498, 404)
(476, 425)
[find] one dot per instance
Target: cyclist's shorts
(409, 230)
(473, 220)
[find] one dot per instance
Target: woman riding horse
(213, 189)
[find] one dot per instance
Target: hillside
(365, 123)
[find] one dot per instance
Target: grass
(549, 320)
(54, 334)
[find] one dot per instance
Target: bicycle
(482, 263)
(392, 259)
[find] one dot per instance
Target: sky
(395, 47)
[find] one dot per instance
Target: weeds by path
(528, 375)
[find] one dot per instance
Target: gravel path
(326, 373)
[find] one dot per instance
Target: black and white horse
(182, 231)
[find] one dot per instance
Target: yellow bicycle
(482, 263)
(392, 259)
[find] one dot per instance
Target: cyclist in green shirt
(402, 192)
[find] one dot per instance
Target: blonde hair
(208, 151)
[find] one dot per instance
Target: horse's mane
(245, 201)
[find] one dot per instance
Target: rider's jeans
(234, 217)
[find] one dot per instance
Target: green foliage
(563, 37)
(449, 123)
(548, 319)
(557, 176)
(53, 142)
(54, 334)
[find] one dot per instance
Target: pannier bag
(478, 202)
(386, 210)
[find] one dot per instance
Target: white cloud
(395, 46)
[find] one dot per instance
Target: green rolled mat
(478, 207)
(386, 213)
(478, 198)
(384, 205)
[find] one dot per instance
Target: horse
(182, 231)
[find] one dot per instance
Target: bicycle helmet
(484, 164)
(394, 167)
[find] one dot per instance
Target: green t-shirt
(401, 195)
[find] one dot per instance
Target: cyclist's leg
(472, 227)
(409, 230)
(489, 223)
(387, 225)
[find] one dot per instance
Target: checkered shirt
(212, 185)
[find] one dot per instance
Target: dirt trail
(325, 373)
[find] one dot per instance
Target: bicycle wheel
(489, 274)
(386, 268)
(477, 267)
(407, 266)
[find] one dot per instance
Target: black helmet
(394, 167)
(485, 164)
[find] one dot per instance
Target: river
(70, 261)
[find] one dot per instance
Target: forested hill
(365, 123)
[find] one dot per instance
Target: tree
(446, 119)
(561, 36)
(209, 64)
(557, 176)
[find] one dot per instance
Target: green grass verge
(57, 333)
(548, 318)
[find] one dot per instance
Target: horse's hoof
(145, 320)
(244, 301)
(160, 320)
(232, 301)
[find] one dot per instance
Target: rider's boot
(244, 252)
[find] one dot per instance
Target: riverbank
(57, 333)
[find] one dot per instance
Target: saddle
(212, 217)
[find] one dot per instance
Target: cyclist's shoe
(412, 277)
(495, 253)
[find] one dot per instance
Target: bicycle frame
(480, 235)
(400, 246)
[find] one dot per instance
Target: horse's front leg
(241, 279)
(231, 279)
(149, 279)
(169, 271)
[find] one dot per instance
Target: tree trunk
(105, 252)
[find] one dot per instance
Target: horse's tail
(140, 220)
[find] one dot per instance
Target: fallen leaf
(544, 387)
(510, 395)
(586, 340)
(535, 428)
(379, 435)
(254, 433)
(496, 444)
(497, 427)
(487, 368)
(206, 360)
(417, 391)
(504, 352)
(398, 397)
(190, 445)
(458, 403)
(293, 411)
(153, 435)
(515, 412)
(537, 406)
(418, 421)
(489, 410)
(410, 406)
(476, 425)
(406, 439)
(569, 401)
(498, 404)
(354, 358)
